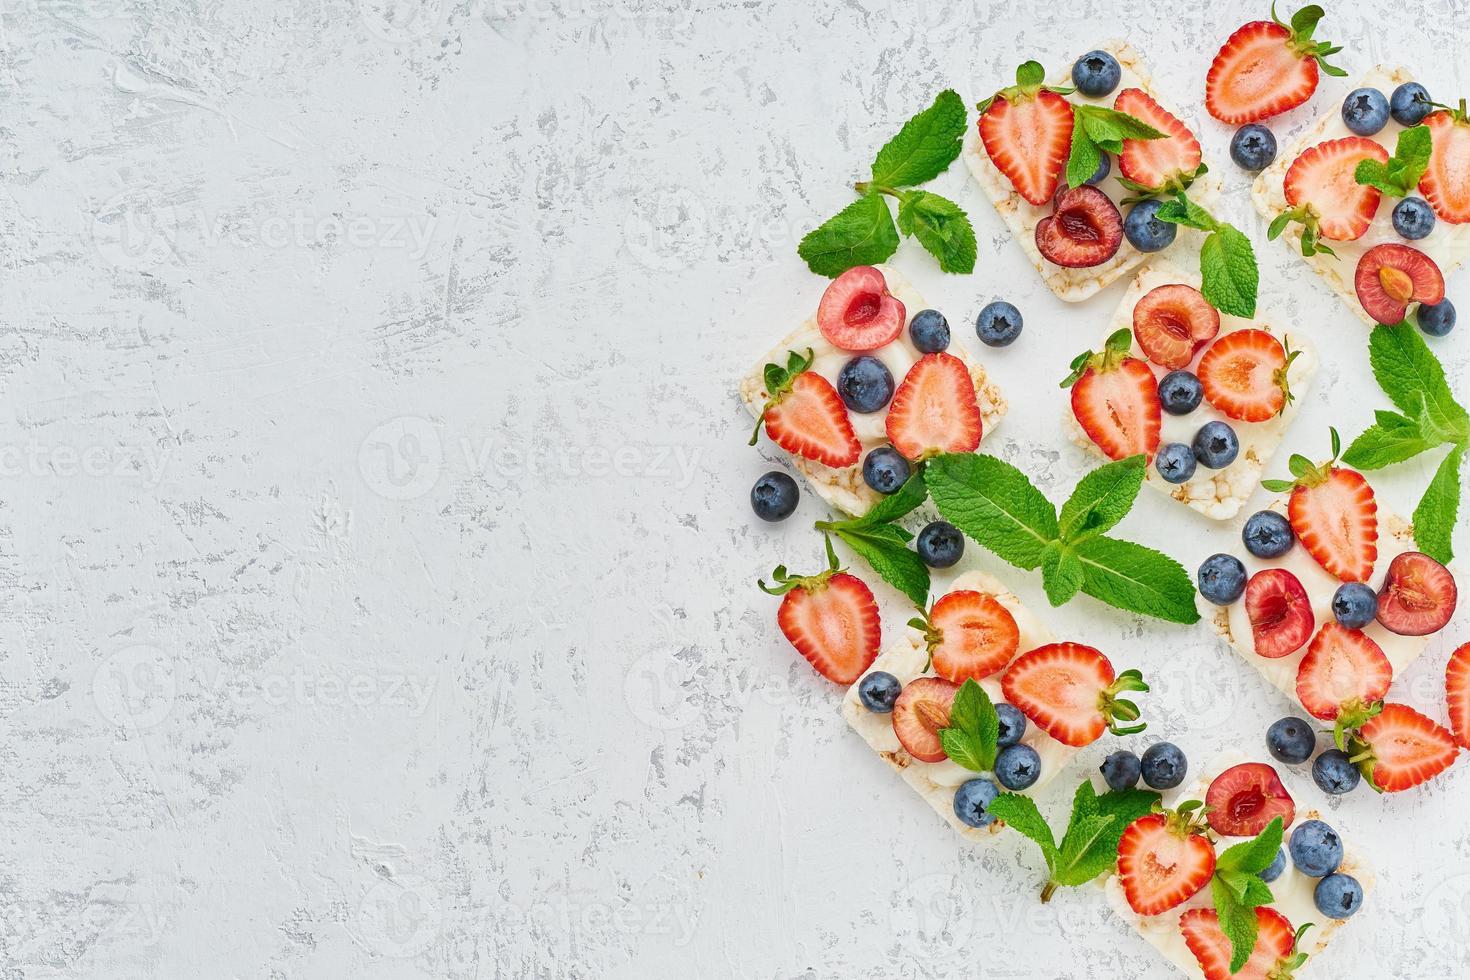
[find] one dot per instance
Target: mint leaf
(1393, 439)
(1127, 805)
(1084, 157)
(925, 146)
(974, 729)
(1434, 518)
(1110, 127)
(941, 227)
(1237, 921)
(1021, 815)
(1089, 855)
(885, 548)
(1102, 498)
(1255, 855)
(963, 749)
(902, 501)
(1138, 579)
(1061, 573)
(1411, 376)
(1399, 175)
(1228, 269)
(860, 234)
(994, 504)
(1183, 211)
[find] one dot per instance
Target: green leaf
(1084, 157)
(1237, 921)
(1228, 268)
(1030, 73)
(1138, 579)
(941, 227)
(1021, 815)
(964, 749)
(884, 547)
(1183, 211)
(975, 728)
(902, 501)
(1400, 174)
(1434, 518)
(1110, 127)
(1412, 377)
(1255, 855)
(1102, 498)
(1127, 805)
(1061, 573)
(995, 504)
(1393, 439)
(860, 234)
(925, 146)
(1089, 854)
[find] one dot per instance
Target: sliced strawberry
(1343, 671)
(1245, 798)
(830, 618)
(1245, 375)
(1027, 132)
(1334, 514)
(1391, 276)
(1280, 613)
(1084, 230)
(1172, 322)
(1457, 693)
(970, 635)
(1418, 596)
(1164, 165)
(1271, 958)
(934, 409)
(1267, 67)
(1163, 861)
(805, 416)
(921, 710)
(1405, 748)
(1115, 398)
(1070, 691)
(858, 313)
(1446, 184)
(1324, 195)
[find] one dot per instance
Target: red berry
(1457, 693)
(1418, 596)
(831, 619)
(1446, 184)
(1335, 516)
(921, 710)
(1344, 670)
(858, 313)
(1244, 375)
(1407, 748)
(1163, 862)
(934, 409)
(1083, 230)
(1275, 941)
(1069, 690)
(1243, 799)
(1323, 180)
(1280, 613)
(971, 635)
(1391, 276)
(1028, 137)
(1260, 71)
(1171, 323)
(1161, 164)
(809, 419)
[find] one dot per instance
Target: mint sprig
(1428, 417)
(1227, 261)
(974, 729)
(863, 233)
(1399, 177)
(1097, 129)
(995, 504)
(1090, 844)
(883, 544)
(1238, 890)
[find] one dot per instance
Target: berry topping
(1216, 445)
(1267, 534)
(1175, 462)
(1338, 896)
(1354, 605)
(858, 313)
(1027, 132)
(1164, 860)
(920, 711)
(1096, 74)
(1457, 693)
(934, 410)
(1291, 740)
(879, 691)
(1245, 375)
(999, 324)
(1437, 320)
(830, 618)
(1400, 748)
(1343, 674)
(774, 496)
(969, 635)
(1017, 767)
(940, 544)
(885, 469)
(1272, 957)
(971, 799)
(1280, 613)
(1243, 799)
(1323, 194)
(1180, 392)
(1164, 765)
(1171, 323)
(1253, 147)
(1070, 691)
(929, 331)
(1116, 399)
(1012, 724)
(1315, 849)
(1418, 595)
(1160, 165)
(1413, 218)
(1144, 230)
(1446, 184)
(1334, 514)
(1221, 579)
(1365, 111)
(1121, 770)
(1334, 773)
(865, 384)
(804, 416)
(1391, 276)
(1267, 67)
(1409, 104)
(1083, 230)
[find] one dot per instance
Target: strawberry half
(1344, 673)
(1272, 957)
(1446, 184)
(1027, 132)
(1115, 398)
(921, 710)
(1279, 611)
(805, 416)
(1418, 595)
(969, 635)
(1333, 513)
(1164, 860)
(1267, 67)
(934, 409)
(1457, 693)
(1391, 276)
(1084, 229)
(830, 618)
(1245, 375)
(1400, 748)
(1070, 691)
(1243, 799)
(1323, 194)
(1159, 166)
(858, 313)
(1172, 322)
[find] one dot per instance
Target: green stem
(866, 187)
(1049, 891)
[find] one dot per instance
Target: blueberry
(929, 331)
(1267, 534)
(878, 691)
(1354, 605)
(865, 383)
(1146, 232)
(1164, 766)
(1365, 111)
(999, 324)
(1316, 850)
(1104, 167)
(1437, 320)
(1012, 724)
(1017, 766)
(885, 469)
(1221, 579)
(1121, 770)
(1409, 104)
(1413, 218)
(774, 496)
(1291, 740)
(1180, 392)
(1216, 445)
(940, 544)
(1273, 871)
(1338, 896)
(971, 799)
(1334, 774)
(1175, 462)
(1253, 147)
(1096, 74)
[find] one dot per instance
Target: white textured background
(376, 572)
